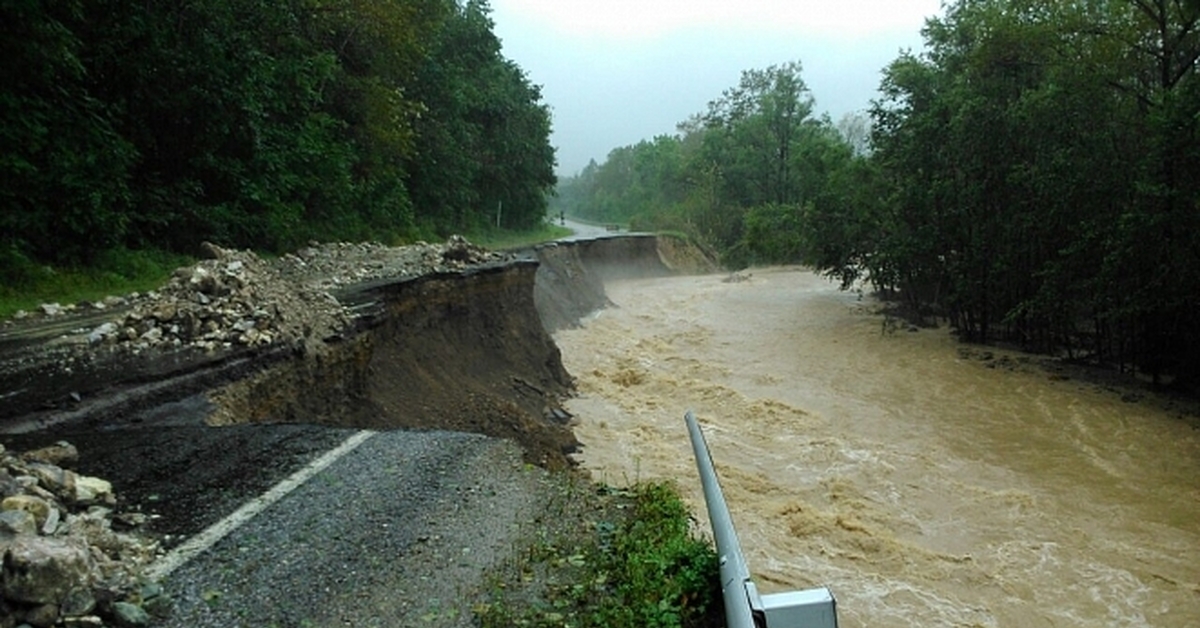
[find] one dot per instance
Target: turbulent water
(923, 488)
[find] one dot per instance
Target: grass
(609, 558)
(25, 284)
(498, 239)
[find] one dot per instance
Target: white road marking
(179, 556)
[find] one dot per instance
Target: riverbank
(423, 338)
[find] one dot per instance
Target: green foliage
(1030, 176)
(662, 576)
(735, 177)
(24, 284)
(1032, 168)
(482, 148)
(259, 124)
(499, 239)
(638, 566)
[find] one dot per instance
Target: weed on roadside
(619, 558)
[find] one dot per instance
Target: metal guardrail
(734, 572)
(744, 607)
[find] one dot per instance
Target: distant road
(583, 231)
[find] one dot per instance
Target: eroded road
(926, 487)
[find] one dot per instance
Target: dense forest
(1032, 175)
(260, 124)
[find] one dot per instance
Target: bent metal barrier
(744, 607)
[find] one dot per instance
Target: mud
(461, 352)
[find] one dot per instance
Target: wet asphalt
(398, 532)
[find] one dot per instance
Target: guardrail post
(744, 607)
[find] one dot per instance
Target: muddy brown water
(923, 488)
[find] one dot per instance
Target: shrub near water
(634, 563)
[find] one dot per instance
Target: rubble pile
(237, 299)
(234, 298)
(64, 560)
(332, 265)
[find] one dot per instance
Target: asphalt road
(396, 532)
(584, 231)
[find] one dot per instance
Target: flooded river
(923, 488)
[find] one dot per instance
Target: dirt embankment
(452, 338)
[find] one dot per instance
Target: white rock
(52, 520)
(88, 489)
(102, 332)
(36, 506)
(50, 309)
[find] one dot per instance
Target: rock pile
(64, 560)
(235, 298)
(238, 299)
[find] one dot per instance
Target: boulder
(52, 520)
(15, 522)
(8, 485)
(59, 453)
(79, 602)
(42, 615)
(102, 333)
(89, 490)
(36, 506)
(129, 615)
(45, 570)
(53, 478)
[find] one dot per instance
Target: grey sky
(618, 71)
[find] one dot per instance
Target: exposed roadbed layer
(400, 531)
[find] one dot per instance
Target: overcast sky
(618, 71)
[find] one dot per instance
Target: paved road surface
(584, 231)
(396, 533)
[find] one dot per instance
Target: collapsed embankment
(467, 349)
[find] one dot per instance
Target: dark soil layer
(461, 352)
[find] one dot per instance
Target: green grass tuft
(633, 563)
(499, 239)
(24, 284)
